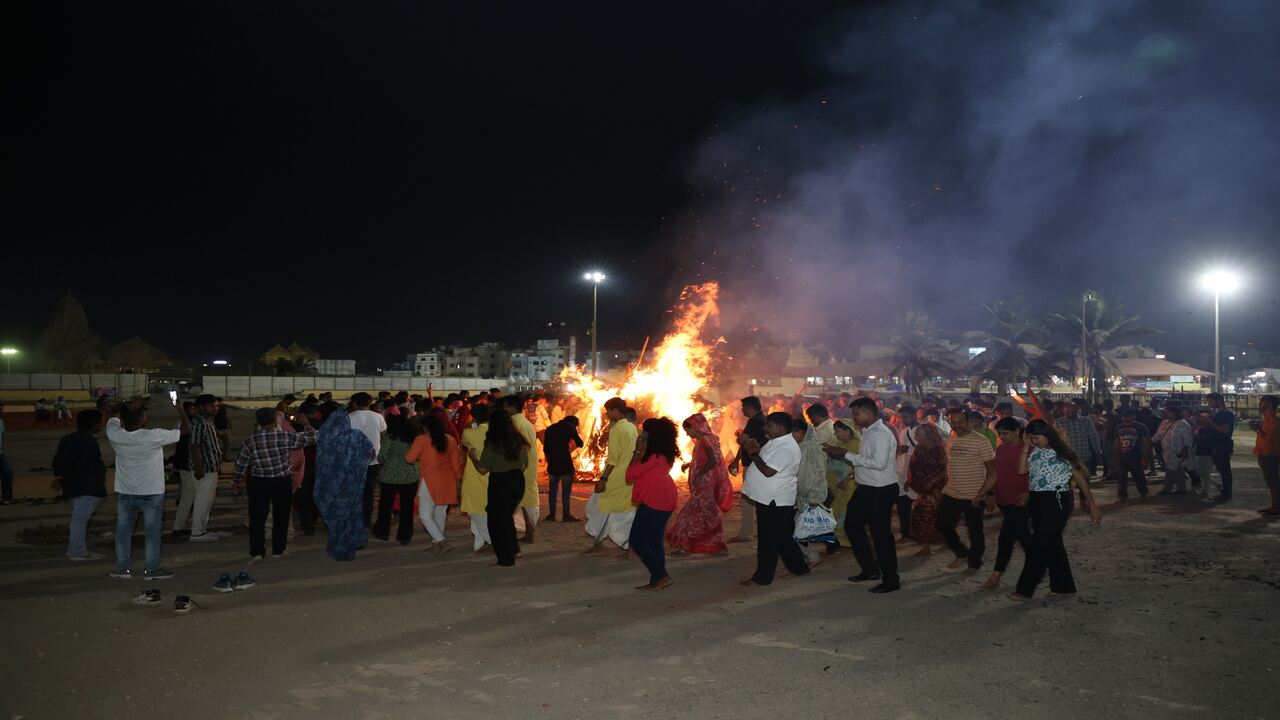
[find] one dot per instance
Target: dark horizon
(829, 165)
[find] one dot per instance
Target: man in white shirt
(139, 484)
(877, 478)
(372, 424)
(770, 483)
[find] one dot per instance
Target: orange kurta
(439, 470)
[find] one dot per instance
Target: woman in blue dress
(342, 462)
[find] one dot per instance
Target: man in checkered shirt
(1080, 432)
(264, 462)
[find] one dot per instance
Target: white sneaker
(207, 537)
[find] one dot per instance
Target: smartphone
(173, 396)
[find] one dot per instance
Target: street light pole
(1217, 342)
(595, 316)
(595, 277)
(1218, 281)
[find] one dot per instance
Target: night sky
(375, 179)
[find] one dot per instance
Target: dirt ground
(1173, 620)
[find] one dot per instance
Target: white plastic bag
(815, 524)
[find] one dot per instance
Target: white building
(334, 367)
(429, 364)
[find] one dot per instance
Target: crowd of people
(855, 459)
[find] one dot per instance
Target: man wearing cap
(206, 462)
(263, 464)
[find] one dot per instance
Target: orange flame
(671, 385)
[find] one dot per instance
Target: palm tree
(1100, 327)
(1016, 348)
(920, 352)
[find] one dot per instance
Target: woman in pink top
(654, 494)
(1011, 488)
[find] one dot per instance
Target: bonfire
(670, 382)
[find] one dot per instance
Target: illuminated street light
(595, 277)
(1218, 281)
(8, 354)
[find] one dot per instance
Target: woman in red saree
(697, 527)
(926, 475)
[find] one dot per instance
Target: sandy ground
(1175, 619)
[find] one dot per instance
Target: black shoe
(569, 518)
(863, 577)
(180, 533)
(883, 588)
(551, 518)
(1165, 492)
(384, 538)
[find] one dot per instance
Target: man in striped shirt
(206, 461)
(264, 463)
(970, 467)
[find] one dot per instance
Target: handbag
(815, 524)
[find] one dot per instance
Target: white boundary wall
(244, 386)
(126, 384)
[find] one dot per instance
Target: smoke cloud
(968, 151)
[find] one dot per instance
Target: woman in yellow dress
(838, 469)
(475, 485)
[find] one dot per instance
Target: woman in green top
(503, 459)
(398, 478)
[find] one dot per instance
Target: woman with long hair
(503, 458)
(654, 494)
(397, 479)
(440, 467)
(697, 527)
(1053, 468)
(342, 464)
(475, 485)
(926, 476)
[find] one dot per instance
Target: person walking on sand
(475, 484)
(697, 528)
(1011, 490)
(398, 479)
(503, 458)
(342, 470)
(1053, 468)
(610, 511)
(372, 425)
(926, 476)
(970, 468)
(1175, 445)
(654, 494)
(754, 429)
(873, 504)
(811, 478)
(770, 483)
(440, 467)
(529, 505)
